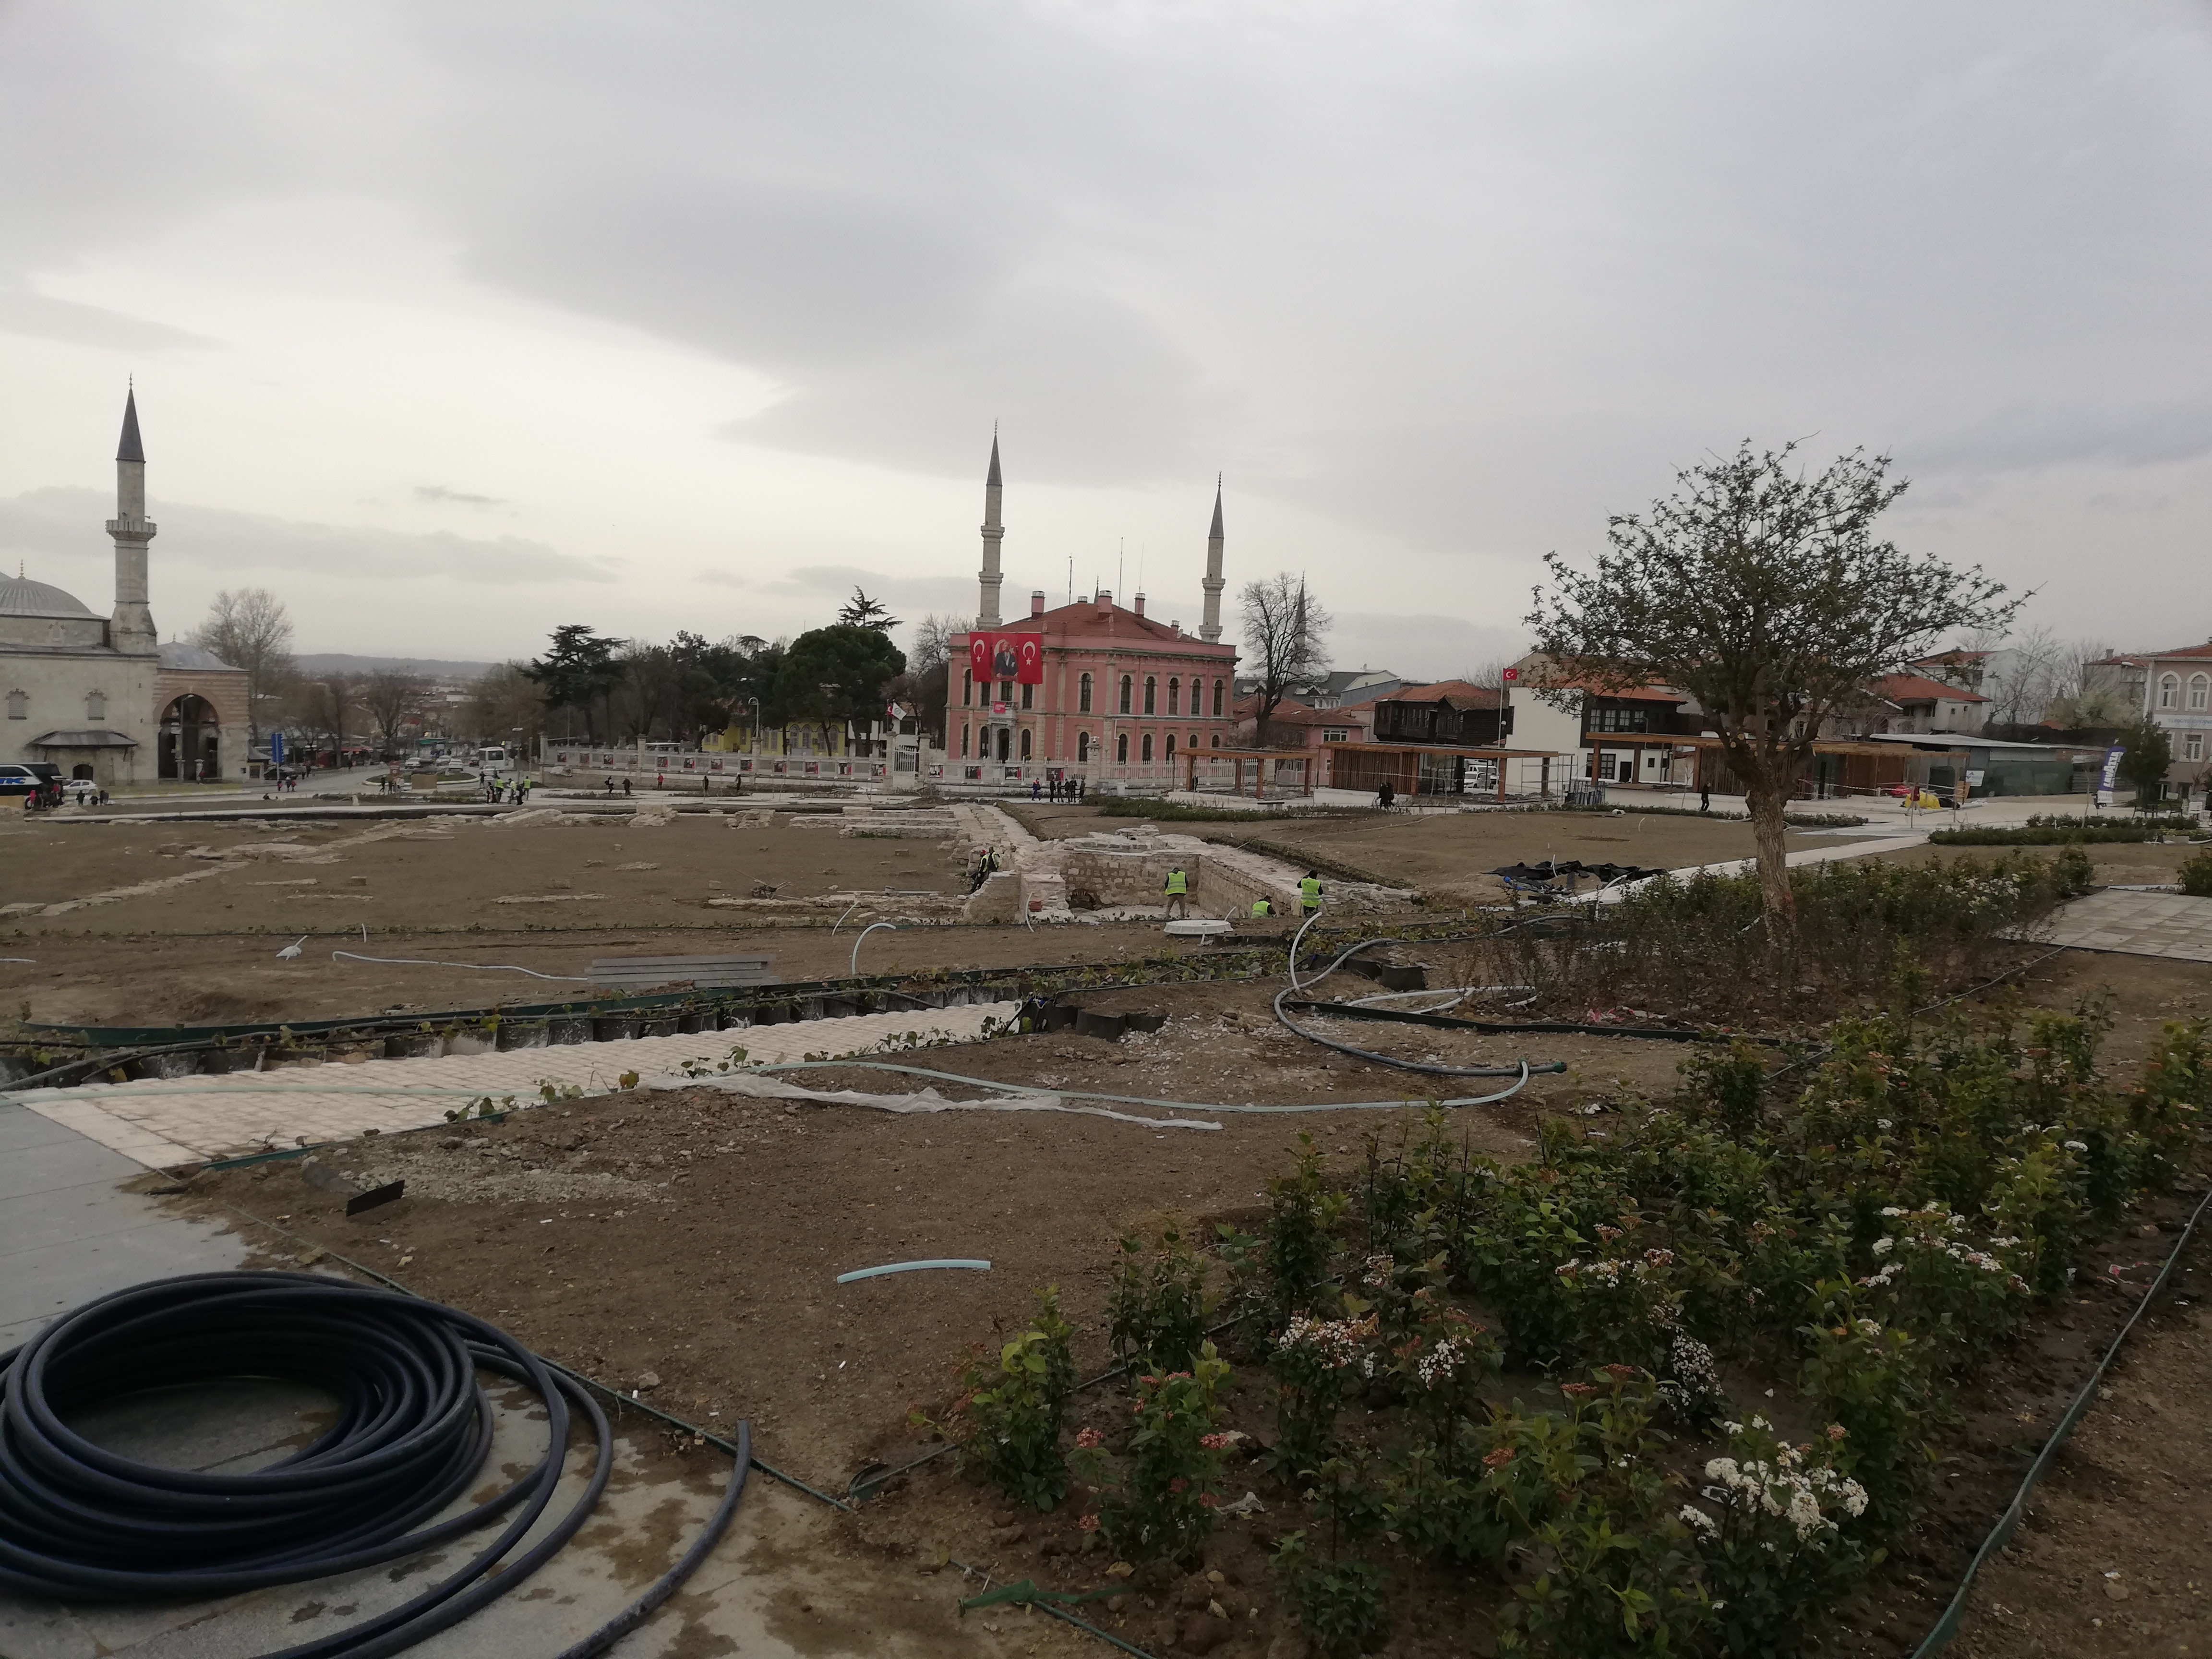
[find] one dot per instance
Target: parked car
(82, 791)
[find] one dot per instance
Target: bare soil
(1449, 855)
(705, 1278)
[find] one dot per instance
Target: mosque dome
(21, 597)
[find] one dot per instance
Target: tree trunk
(1763, 794)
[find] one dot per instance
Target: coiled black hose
(81, 1523)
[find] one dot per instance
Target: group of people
(1178, 894)
(1056, 788)
(513, 791)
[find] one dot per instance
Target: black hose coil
(81, 1523)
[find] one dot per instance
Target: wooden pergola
(1267, 766)
(1423, 769)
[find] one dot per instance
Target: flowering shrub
(2168, 1107)
(1787, 1542)
(1316, 1363)
(1621, 1307)
(1872, 1381)
(1157, 1503)
(1930, 1279)
(1443, 1369)
(1156, 1311)
(1008, 1420)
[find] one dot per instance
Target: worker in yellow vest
(1309, 893)
(1178, 892)
(1261, 908)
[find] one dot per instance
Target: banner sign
(275, 748)
(1018, 659)
(2112, 775)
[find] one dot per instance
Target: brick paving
(162, 1123)
(2171, 925)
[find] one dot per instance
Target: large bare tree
(1285, 643)
(249, 629)
(391, 697)
(1764, 594)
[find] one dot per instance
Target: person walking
(1178, 892)
(625, 788)
(1385, 795)
(1036, 789)
(1704, 798)
(1309, 893)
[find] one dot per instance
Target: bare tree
(391, 697)
(1763, 594)
(318, 709)
(249, 629)
(504, 699)
(1283, 626)
(933, 642)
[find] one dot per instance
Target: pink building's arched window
(1170, 749)
(1083, 741)
(1125, 684)
(1083, 695)
(1151, 694)
(1025, 740)
(1121, 746)
(1175, 696)
(1216, 700)
(967, 688)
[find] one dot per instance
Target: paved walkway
(2171, 925)
(165, 1123)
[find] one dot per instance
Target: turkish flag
(979, 656)
(1029, 654)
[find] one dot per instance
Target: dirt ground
(1448, 852)
(686, 1243)
(2114, 1559)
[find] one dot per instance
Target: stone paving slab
(162, 1123)
(2170, 925)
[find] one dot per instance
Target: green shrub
(1156, 1503)
(1156, 1311)
(2196, 873)
(1303, 1213)
(1337, 1603)
(1014, 1409)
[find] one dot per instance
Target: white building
(101, 697)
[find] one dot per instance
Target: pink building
(1122, 696)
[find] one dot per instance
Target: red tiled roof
(2138, 658)
(1458, 693)
(1918, 687)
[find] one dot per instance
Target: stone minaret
(1209, 627)
(131, 629)
(987, 612)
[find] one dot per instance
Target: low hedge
(2063, 832)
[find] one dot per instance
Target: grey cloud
(41, 317)
(63, 522)
(1420, 647)
(905, 593)
(718, 579)
(2024, 437)
(459, 497)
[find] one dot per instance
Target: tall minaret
(987, 612)
(1209, 627)
(131, 629)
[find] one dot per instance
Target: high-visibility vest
(1310, 890)
(1177, 883)
(1261, 908)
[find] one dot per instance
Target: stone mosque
(101, 698)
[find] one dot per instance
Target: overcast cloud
(694, 315)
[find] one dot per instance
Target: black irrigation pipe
(1445, 1022)
(79, 1523)
(740, 1449)
(1954, 1614)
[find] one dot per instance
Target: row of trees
(601, 689)
(249, 629)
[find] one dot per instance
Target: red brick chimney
(1036, 603)
(1138, 606)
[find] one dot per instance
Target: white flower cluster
(1931, 1231)
(1377, 1276)
(1608, 1271)
(1789, 1488)
(2075, 1145)
(1442, 1362)
(1336, 1343)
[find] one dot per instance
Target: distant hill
(312, 663)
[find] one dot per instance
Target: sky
(452, 324)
